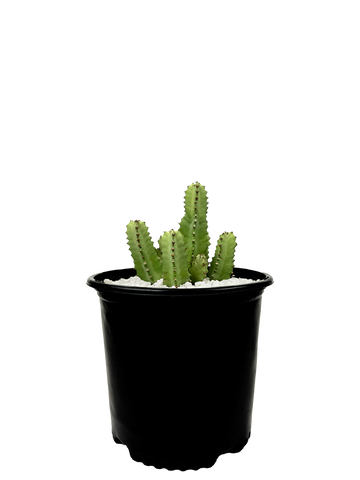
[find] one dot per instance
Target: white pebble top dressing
(206, 283)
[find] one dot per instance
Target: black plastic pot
(181, 367)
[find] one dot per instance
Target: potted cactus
(181, 357)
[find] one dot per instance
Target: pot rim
(96, 282)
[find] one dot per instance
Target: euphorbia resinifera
(185, 252)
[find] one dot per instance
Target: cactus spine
(146, 260)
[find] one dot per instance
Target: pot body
(181, 368)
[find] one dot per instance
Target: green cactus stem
(222, 263)
(199, 268)
(146, 260)
(193, 225)
(174, 259)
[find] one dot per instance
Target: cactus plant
(182, 255)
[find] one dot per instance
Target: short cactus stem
(199, 268)
(145, 256)
(174, 262)
(222, 264)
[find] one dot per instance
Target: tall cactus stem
(193, 225)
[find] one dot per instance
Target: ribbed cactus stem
(193, 225)
(222, 263)
(174, 260)
(143, 252)
(199, 268)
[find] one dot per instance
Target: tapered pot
(181, 367)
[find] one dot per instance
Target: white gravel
(206, 283)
